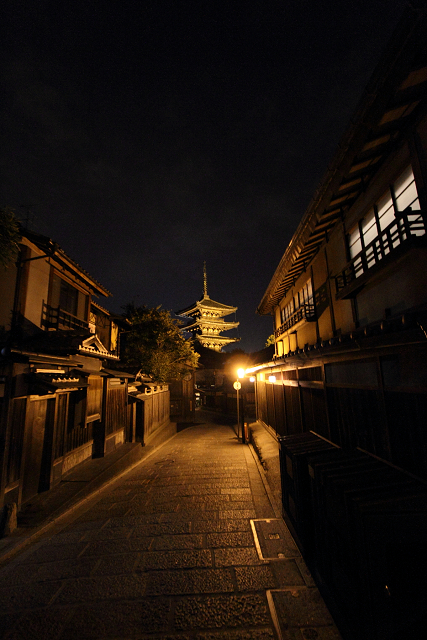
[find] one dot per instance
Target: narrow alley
(187, 545)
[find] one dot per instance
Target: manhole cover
(273, 540)
(301, 610)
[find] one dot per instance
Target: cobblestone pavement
(185, 546)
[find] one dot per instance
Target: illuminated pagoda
(205, 320)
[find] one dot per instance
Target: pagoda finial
(205, 280)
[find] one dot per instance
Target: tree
(270, 340)
(9, 237)
(155, 345)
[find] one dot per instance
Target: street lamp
(238, 385)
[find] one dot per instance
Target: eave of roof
(391, 100)
(206, 303)
(53, 250)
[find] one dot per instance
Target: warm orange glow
(240, 373)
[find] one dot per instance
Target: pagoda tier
(205, 321)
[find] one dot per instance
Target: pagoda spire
(205, 281)
(205, 320)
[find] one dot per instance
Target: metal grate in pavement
(300, 612)
(273, 540)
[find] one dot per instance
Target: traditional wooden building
(349, 375)
(61, 402)
(205, 320)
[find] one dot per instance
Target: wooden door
(39, 425)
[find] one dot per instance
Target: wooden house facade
(60, 402)
(349, 297)
(346, 391)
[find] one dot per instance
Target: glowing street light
(238, 385)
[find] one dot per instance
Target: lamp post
(238, 385)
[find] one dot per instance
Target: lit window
(368, 234)
(406, 191)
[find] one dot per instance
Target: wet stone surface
(194, 581)
(166, 552)
(221, 611)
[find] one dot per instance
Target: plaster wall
(7, 293)
(36, 290)
(400, 289)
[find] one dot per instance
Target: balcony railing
(409, 225)
(55, 318)
(305, 312)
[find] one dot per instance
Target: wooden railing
(305, 312)
(56, 318)
(410, 224)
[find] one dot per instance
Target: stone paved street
(175, 549)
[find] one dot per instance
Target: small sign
(237, 385)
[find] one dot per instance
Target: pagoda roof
(211, 323)
(205, 302)
(220, 341)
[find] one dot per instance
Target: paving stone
(84, 525)
(7, 623)
(195, 490)
(255, 578)
(53, 553)
(174, 636)
(102, 588)
(312, 633)
(288, 573)
(25, 596)
(165, 528)
(118, 619)
(188, 515)
(253, 634)
(115, 565)
(135, 483)
(230, 539)
(159, 560)
(191, 581)
(213, 499)
(151, 509)
(149, 498)
(238, 497)
(221, 611)
(236, 491)
(240, 505)
(106, 534)
(48, 571)
(116, 498)
(136, 563)
(106, 547)
(65, 537)
(308, 578)
(42, 624)
(133, 521)
(111, 510)
(236, 556)
(218, 526)
(190, 541)
(237, 513)
(301, 607)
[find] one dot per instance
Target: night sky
(148, 137)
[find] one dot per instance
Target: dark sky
(148, 136)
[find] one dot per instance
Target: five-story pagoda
(205, 320)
